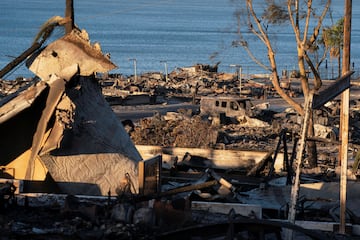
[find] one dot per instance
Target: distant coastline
(182, 33)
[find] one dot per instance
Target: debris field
(219, 166)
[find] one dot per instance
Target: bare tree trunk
(303, 78)
(304, 40)
(310, 145)
(283, 95)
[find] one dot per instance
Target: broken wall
(95, 148)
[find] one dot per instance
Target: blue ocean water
(181, 33)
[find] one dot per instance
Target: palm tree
(332, 39)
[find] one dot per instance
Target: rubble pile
(256, 132)
(190, 130)
(183, 129)
(191, 187)
(161, 216)
(200, 79)
(186, 82)
(73, 170)
(71, 217)
(84, 219)
(175, 129)
(235, 136)
(9, 87)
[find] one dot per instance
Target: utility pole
(135, 74)
(166, 69)
(69, 13)
(344, 115)
(239, 75)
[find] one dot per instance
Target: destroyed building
(62, 137)
(60, 127)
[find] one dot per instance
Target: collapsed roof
(62, 127)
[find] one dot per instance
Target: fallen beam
(224, 208)
(178, 190)
(331, 91)
(10, 66)
(260, 165)
(220, 159)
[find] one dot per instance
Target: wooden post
(69, 13)
(150, 175)
(296, 186)
(344, 117)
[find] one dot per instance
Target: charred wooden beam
(331, 91)
(225, 208)
(221, 180)
(177, 190)
(10, 66)
(189, 188)
(255, 171)
(299, 157)
(324, 140)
